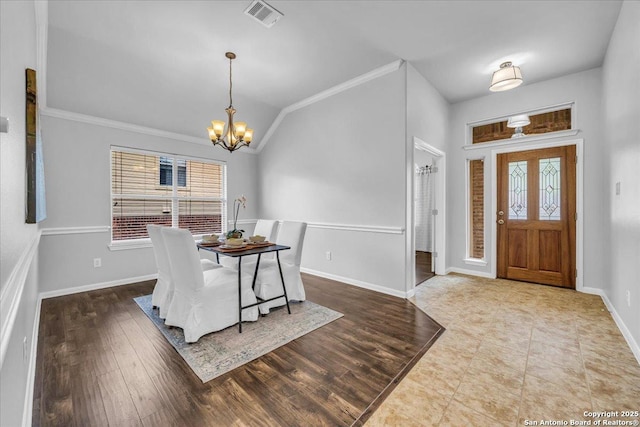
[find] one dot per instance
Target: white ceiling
(173, 51)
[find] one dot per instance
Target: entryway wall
(584, 90)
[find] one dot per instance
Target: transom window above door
(548, 120)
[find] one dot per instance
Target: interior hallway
(513, 351)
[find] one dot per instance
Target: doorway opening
(424, 205)
(426, 246)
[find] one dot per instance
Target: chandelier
(507, 77)
(234, 135)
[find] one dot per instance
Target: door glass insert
(550, 189)
(518, 190)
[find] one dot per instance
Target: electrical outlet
(97, 262)
(629, 298)
(618, 188)
(25, 353)
(328, 255)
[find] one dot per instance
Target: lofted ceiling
(162, 64)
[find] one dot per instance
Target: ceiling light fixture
(518, 122)
(236, 135)
(507, 77)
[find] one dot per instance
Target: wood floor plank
(126, 373)
(88, 407)
(118, 404)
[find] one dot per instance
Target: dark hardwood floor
(102, 362)
(423, 267)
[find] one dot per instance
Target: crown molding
(114, 124)
(371, 75)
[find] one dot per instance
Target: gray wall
(621, 249)
(342, 161)
(78, 195)
(18, 51)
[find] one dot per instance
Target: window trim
(175, 196)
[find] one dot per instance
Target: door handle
(501, 221)
(501, 213)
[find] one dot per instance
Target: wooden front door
(537, 216)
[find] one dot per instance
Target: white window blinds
(158, 188)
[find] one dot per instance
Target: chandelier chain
(230, 83)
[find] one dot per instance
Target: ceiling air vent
(266, 14)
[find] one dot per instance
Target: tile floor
(514, 354)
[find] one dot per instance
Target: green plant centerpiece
(237, 203)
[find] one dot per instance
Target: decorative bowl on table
(213, 238)
(234, 242)
(256, 239)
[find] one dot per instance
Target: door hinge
(576, 159)
(575, 216)
(576, 273)
(434, 212)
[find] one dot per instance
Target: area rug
(220, 352)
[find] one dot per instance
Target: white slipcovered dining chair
(203, 301)
(163, 291)
(269, 283)
(264, 227)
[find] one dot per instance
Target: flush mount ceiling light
(236, 135)
(507, 77)
(518, 122)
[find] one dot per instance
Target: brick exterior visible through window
(476, 187)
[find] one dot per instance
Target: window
(143, 192)
(518, 190)
(552, 119)
(476, 209)
(549, 189)
(166, 171)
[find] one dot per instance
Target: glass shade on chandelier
(507, 77)
(231, 136)
(518, 122)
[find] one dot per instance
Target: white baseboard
(616, 317)
(469, 272)
(358, 283)
(93, 287)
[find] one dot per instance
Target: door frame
(579, 143)
(439, 185)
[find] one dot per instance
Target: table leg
(255, 273)
(284, 288)
(239, 294)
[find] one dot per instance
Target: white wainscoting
(12, 294)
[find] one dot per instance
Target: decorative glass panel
(550, 189)
(518, 190)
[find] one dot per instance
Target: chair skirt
(213, 307)
(269, 284)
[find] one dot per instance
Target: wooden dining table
(249, 249)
